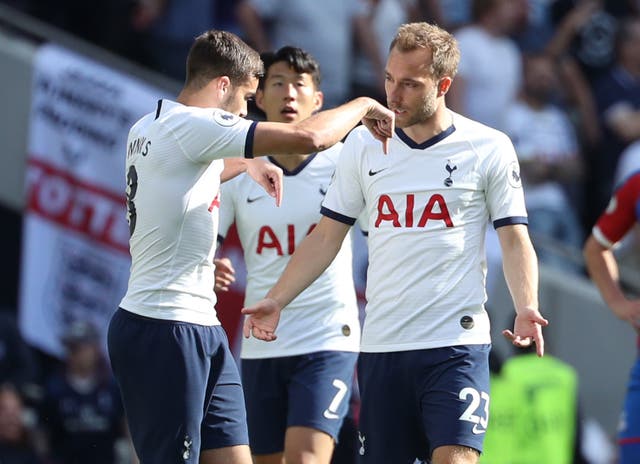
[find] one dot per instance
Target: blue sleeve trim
(509, 221)
(248, 144)
(337, 216)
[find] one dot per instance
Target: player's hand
(268, 175)
(224, 274)
(527, 329)
(262, 320)
(381, 123)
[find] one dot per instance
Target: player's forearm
(603, 270)
(330, 126)
(520, 266)
(311, 258)
(232, 168)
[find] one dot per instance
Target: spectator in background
(615, 222)
(17, 445)
(489, 74)
(82, 414)
(618, 98)
(586, 30)
(382, 20)
(323, 28)
(550, 160)
(534, 412)
(18, 364)
(168, 28)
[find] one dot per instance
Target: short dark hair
(221, 53)
(297, 59)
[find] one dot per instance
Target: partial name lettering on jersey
(138, 146)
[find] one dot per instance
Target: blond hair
(444, 47)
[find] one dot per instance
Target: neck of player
(440, 121)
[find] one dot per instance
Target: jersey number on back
(132, 188)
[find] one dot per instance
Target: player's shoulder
(481, 136)
(632, 182)
(331, 154)
(175, 114)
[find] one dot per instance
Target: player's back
(173, 168)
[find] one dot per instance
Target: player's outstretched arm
(520, 267)
(311, 258)
(323, 129)
(604, 272)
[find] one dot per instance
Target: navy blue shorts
(415, 401)
(309, 390)
(180, 387)
(629, 433)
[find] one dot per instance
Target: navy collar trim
(432, 141)
(297, 170)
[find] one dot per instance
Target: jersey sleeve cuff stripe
(509, 221)
(248, 144)
(337, 216)
(601, 239)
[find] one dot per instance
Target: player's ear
(260, 99)
(318, 100)
(444, 85)
(223, 85)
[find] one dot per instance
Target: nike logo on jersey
(330, 415)
(373, 173)
(322, 191)
(251, 200)
(478, 430)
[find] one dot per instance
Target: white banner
(75, 259)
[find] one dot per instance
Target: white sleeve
(213, 134)
(227, 215)
(344, 200)
(504, 193)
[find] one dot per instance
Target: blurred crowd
(560, 77)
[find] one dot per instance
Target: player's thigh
(629, 433)
(319, 391)
(229, 455)
(451, 454)
(390, 426)
(162, 379)
(304, 445)
(455, 397)
(265, 390)
(224, 424)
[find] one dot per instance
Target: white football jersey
(173, 166)
(428, 206)
(325, 315)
